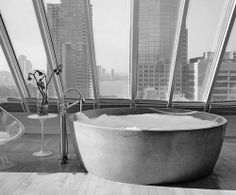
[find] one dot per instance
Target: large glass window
(156, 32)
(7, 84)
(22, 26)
(225, 86)
(68, 25)
(119, 27)
(197, 48)
(111, 25)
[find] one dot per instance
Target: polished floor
(45, 175)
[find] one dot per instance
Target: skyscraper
(25, 66)
(224, 88)
(156, 29)
(67, 23)
(54, 16)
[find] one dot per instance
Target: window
(197, 48)
(7, 84)
(220, 84)
(155, 28)
(68, 23)
(23, 29)
(229, 66)
(220, 91)
(222, 78)
(107, 45)
(111, 27)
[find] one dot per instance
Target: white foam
(150, 122)
(81, 116)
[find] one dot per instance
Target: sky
(203, 23)
(111, 20)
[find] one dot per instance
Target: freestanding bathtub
(148, 156)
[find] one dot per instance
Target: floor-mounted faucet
(63, 107)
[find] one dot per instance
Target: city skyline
(38, 59)
(156, 29)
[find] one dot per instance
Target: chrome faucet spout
(73, 104)
(62, 99)
(63, 107)
(82, 100)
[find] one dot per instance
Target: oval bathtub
(148, 156)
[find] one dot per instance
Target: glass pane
(156, 29)
(7, 84)
(23, 29)
(197, 47)
(111, 25)
(225, 86)
(67, 23)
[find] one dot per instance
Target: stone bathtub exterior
(148, 156)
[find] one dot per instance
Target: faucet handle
(76, 102)
(82, 100)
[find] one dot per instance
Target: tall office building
(156, 29)
(25, 66)
(225, 85)
(67, 23)
(54, 16)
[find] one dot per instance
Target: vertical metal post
(223, 39)
(134, 50)
(13, 64)
(89, 28)
(63, 143)
(48, 43)
(183, 10)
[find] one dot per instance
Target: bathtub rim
(224, 120)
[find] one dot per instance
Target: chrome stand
(63, 110)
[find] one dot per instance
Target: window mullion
(134, 50)
(173, 66)
(227, 26)
(92, 59)
(48, 43)
(13, 64)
